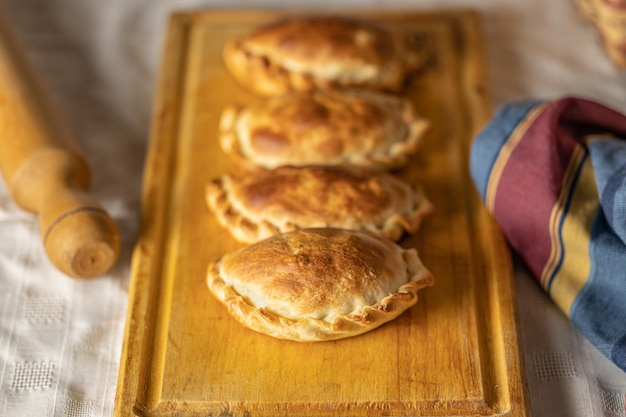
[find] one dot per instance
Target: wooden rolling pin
(46, 173)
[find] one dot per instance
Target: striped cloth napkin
(553, 174)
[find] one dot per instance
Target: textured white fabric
(61, 338)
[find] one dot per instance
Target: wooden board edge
(499, 264)
(130, 398)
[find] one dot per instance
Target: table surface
(61, 338)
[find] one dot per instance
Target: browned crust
(256, 205)
(320, 285)
(301, 54)
(332, 127)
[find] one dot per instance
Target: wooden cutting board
(457, 352)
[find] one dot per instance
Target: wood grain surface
(455, 353)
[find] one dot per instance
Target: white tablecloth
(61, 338)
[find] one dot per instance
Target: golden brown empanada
(259, 204)
(318, 284)
(321, 52)
(332, 127)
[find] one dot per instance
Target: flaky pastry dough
(362, 128)
(318, 284)
(259, 204)
(323, 52)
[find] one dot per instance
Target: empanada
(322, 52)
(259, 204)
(332, 127)
(318, 284)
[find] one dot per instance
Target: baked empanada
(322, 52)
(318, 284)
(259, 204)
(323, 128)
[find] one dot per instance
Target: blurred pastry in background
(609, 19)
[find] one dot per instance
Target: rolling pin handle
(80, 238)
(78, 235)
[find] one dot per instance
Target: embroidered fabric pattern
(32, 375)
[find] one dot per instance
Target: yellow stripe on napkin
(575, 235)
